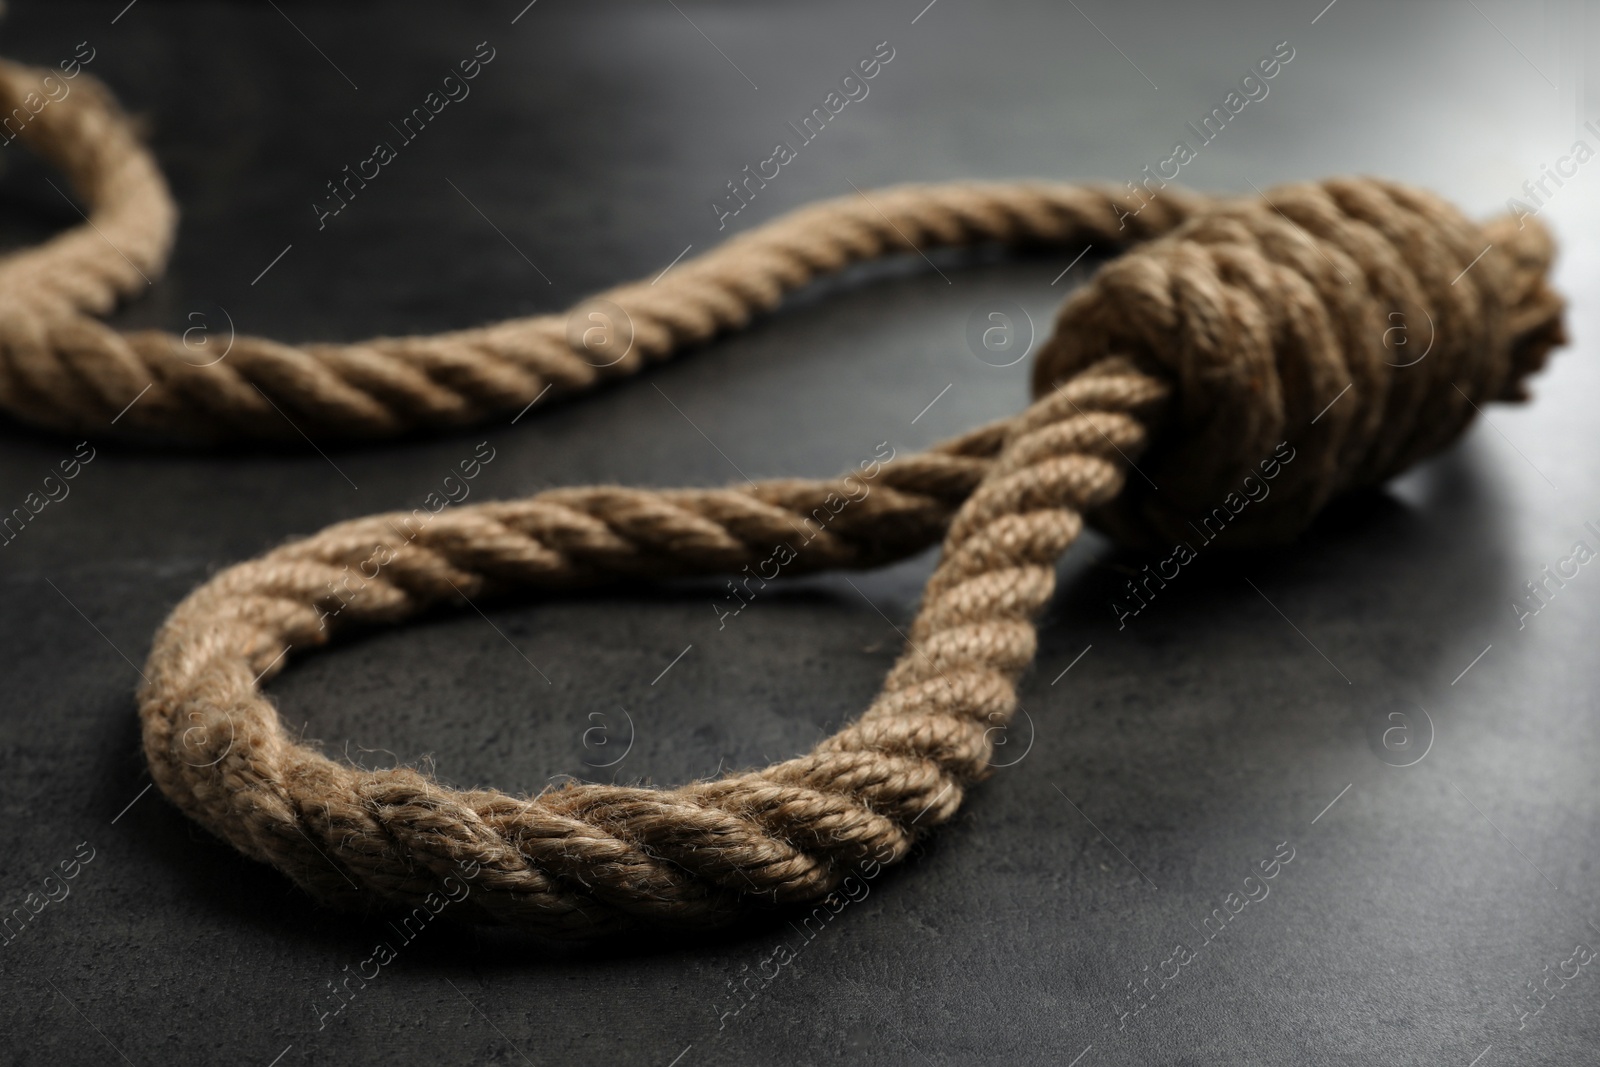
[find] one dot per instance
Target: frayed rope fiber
(1228, 326)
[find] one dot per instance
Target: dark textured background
(1216, 726)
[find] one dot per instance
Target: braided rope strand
(62, 368)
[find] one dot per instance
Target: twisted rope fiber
(1232, 324)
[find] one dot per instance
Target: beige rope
(1235, 325)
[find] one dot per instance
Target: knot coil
(1364, 319)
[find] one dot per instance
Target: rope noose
(1230, 325)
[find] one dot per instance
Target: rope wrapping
(1228, 326)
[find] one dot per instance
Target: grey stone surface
(1209, 735)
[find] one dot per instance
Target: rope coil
(1229, 325)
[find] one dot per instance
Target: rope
(1231, 326)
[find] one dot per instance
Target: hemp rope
(1231, 325)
